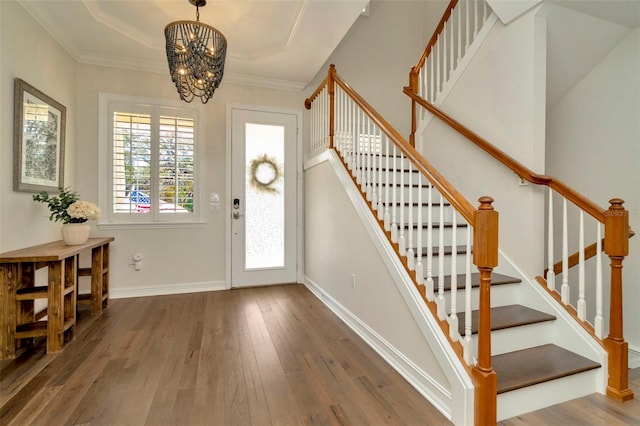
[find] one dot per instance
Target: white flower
(81, 211)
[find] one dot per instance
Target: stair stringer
(457, 402)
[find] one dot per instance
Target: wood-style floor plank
(255, 356)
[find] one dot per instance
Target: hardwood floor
(255, 356)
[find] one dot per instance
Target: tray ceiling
(279, 44)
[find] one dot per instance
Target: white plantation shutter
(150, 152)
(131, 162)
(176, 164)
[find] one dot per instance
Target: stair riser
(513, 339)
(531, 398)
(447, 235)
(460, 265)
(373, 176)
(435, 213)
(381, 190)
(500, 295)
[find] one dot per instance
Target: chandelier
(195, 52)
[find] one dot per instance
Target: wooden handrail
(565, 190)
(434, 38)
(464, 207)
(309, 100)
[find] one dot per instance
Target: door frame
(299, 185)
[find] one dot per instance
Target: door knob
(236, 215)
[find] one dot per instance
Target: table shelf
(31, 329)
(32, 293)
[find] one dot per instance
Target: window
(149, 158)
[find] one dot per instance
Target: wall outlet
(353, 280)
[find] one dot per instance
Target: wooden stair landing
(536, 365)
(503, 317)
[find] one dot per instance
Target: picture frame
(38, 140)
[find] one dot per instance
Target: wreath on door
(264, 173)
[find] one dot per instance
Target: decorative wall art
(38, 139)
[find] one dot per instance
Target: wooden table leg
(8, 284)
(55, 320)
(25, 308)
(96, 280)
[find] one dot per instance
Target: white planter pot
(75, 233)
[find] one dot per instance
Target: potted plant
(67, 208)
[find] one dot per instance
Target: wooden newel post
(485, 257)
(413, 84)
(331, 83)
(616, 246)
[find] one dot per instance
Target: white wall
(377, 53)
(337, 245)
(500, 96)
(29, 53)
(593, 144)
(174, 259)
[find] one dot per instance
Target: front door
(263, 197)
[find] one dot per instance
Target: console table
(18, 291)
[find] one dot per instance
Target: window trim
(110, 220)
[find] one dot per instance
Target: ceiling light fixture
(196, 53)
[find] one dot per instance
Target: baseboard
(634, 357)
(124, 293)
(438, 396)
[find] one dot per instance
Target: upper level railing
(456, 32)
(422, 214)
(611, 234)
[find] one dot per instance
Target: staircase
(520, 340)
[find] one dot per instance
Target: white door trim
(299, 185)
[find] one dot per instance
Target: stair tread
(503, 317)
(536, 365)
(496, 279)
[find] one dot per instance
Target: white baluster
(380, 205)
(453, 316)
(460, 25)
(441, 300)
(551, 275)
(411, 262)
(582, 304)
(436, 51)
(394, 206)
(354, 140)
(452, 51)
(429, 280)
(467, 343)
(564, 289)
(387, 182)
(374, 175)
(419, 228)
(360, 148)
(432, 76)
(402, 239)
(475, 19)
(367, 188)
(598, 322)
(468, 25)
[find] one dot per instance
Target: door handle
(236, 215)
